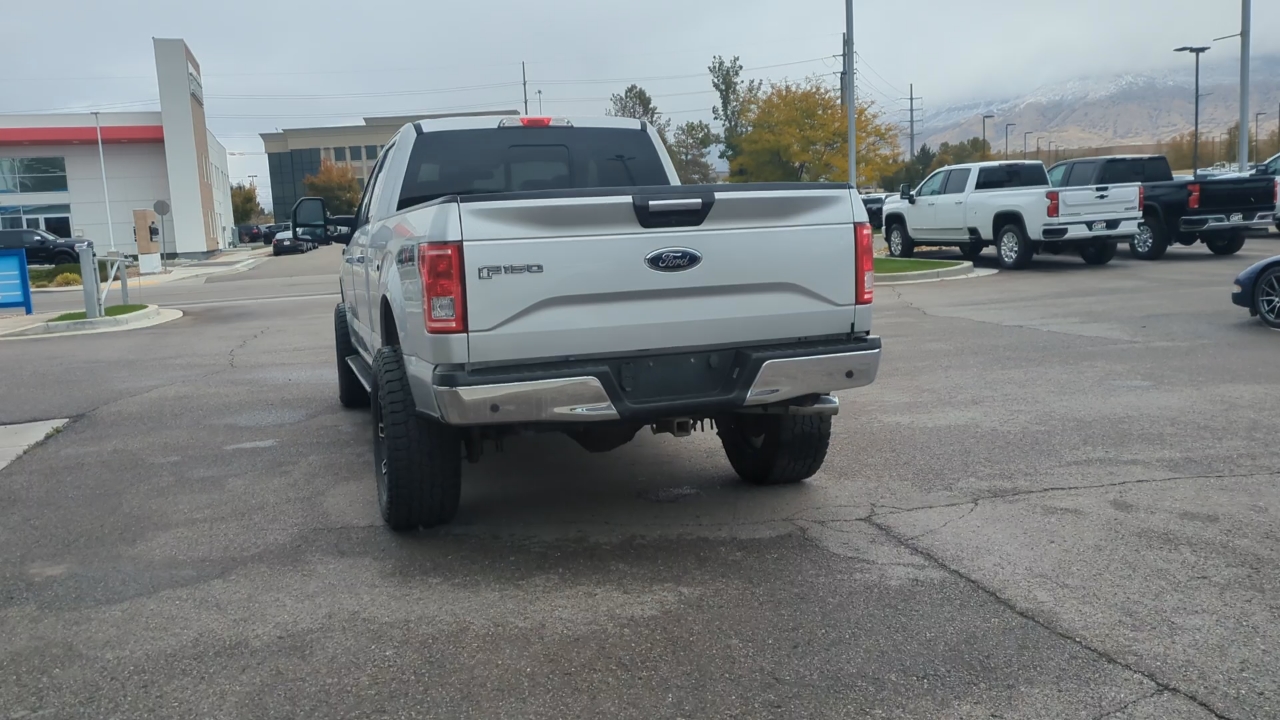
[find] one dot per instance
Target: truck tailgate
(1236, 194)
(569, 276)
(1100, 201)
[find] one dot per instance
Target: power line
(389, 93)
(99, 106)
(883, 79)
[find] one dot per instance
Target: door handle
(959, 202)
(360, 259)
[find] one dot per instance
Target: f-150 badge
(489, 272)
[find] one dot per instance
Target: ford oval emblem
(673, 259)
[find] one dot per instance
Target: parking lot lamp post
(1006, 138)
(1195, 141)
(1050, 152)
(1025, 135)
(985, 118)
(1038, 146)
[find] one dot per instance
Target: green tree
(634, 102)
(735, 96)
(244, 203)
(337, 185)
(689, 146)
(799, 132)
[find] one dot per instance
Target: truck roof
(485, 122)
(996, 163)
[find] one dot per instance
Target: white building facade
(52, 167)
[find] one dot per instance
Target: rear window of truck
(998, 177)
(520, 159)
(1135, 170)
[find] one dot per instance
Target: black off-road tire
(350, 392)
(1156, 246)
(417, 462)
(1013, 247)
(1099, 253)
(1229, 244)
(775, 449)
(971, 250)
(903, 246)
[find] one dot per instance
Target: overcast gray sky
(83, 54)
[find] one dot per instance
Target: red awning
(81, 135)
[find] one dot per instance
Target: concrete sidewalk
(15, 439)
(227, 261)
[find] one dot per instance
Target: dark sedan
(1258, 288)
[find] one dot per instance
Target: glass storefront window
(33, 174)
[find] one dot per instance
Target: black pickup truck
(1215, 211)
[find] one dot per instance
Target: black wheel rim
(1269, 298)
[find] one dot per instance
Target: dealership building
(52, 168)
(294, 154)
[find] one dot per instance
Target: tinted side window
(933, 185)
(10, 239)
(1082, 174)
(1011, 176)
(1057, 174)
(362, 210)
(956, 182)
(518, 159)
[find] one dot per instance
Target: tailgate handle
(671, 211)
(675, 205)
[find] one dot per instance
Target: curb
(964, 268)
(96, 324)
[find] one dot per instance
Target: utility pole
(1024, 143)
(1006, 138)
(850, 99)
(1246, 11)
(1256, 139)
(844, 70)
(912, 119)
(524, 80)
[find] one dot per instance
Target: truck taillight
(865, 263)
(443, 300)
(1275, 195)
(529, 121)
(1193, 202)
(1142, 197)
(1052, 197)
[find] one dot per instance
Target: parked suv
(43, 248)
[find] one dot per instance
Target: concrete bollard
(89, 281)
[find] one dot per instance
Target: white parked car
(1010, 205)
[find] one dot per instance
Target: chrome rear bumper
(1240, 221)
(585, 399)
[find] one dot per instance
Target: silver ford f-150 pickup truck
(526, 274)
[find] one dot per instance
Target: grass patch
(110, 311)
(888, 266)
(44, 276)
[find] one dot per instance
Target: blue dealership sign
(15, 285)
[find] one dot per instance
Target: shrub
(66, 280)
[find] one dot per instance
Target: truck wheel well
(892, 218)
(390, 335)
(1004, 218)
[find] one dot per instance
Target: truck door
(922, 217)
(950, 216)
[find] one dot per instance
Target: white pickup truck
(1012, 206)
(524, 274)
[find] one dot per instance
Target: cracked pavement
(1057, 501)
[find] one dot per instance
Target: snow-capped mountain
(1128, 108)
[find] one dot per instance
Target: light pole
(1256, 138)
(1195, 141)
(985, 118)
(1006, 138)
(1038, 146)
(1050, 151)
(852, 111)
(539, 102)
(1222, 143)
(253, 181)
(1025, 135)
(106, 198)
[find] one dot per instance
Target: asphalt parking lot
(1057, 501)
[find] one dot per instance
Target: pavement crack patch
(1074, 488)
(1027, 615)
(1131, 703)
(974, 505)
(231, 354)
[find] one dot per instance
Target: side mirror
(906, 194)
(341, 227)
(309, 220)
